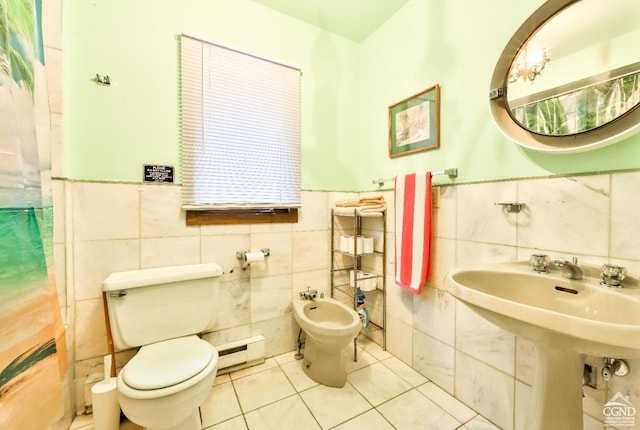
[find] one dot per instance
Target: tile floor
(381, 393)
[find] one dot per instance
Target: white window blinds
(240, 129)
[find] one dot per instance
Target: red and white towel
(413, 230)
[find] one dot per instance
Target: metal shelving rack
(340, 282)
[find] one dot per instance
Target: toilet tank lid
(161, 275)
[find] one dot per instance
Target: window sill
(242, 216)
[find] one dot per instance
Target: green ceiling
(352, 19)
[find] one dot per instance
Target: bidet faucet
(569, 270)
(309, 294)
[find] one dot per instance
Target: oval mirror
(569, 79)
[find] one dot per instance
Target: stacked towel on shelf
(362, 206)
(413, 230)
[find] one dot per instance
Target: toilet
(161, 311)
(330, 326)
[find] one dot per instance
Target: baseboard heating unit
(240, 354)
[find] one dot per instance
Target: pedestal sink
(565, 319)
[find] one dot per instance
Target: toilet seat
(167, 363)
(167, 367)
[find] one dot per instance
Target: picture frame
(414, 123)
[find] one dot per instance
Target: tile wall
(111, 227)
(591, 217)
(106, 227)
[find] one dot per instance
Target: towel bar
(452, 173)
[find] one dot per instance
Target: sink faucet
(569, 270)
(309, 294)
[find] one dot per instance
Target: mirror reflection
(579, 71)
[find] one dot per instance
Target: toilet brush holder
(104, 397)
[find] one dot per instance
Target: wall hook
(103, 79)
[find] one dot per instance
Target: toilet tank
(151, 305)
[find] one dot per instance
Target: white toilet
(162, 311)
(329, 325)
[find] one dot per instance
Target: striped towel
(413, 230)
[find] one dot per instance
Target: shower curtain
(32, 338)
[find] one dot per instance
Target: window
(240, 126)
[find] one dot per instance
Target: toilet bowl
(162, 385)
(329, 325)
(161, 312)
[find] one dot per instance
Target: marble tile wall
(106, 227)
(590, 217)
(110, 227)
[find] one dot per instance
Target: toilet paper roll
(106, 410)
(368, 282)
(357, 274)
(353, 244)
(345, 240)
(367, 245)
(253, 257)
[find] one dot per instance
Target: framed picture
(414, 123)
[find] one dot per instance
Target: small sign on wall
(156, 173)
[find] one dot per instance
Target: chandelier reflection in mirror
(588, 94)
(528, 65)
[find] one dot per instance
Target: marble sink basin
(583, 315)
(565, 319)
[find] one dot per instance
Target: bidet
(329, 326)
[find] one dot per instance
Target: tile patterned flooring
(381, 393)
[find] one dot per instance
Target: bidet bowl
(326, 317)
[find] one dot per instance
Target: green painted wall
(110, 132)
(457, 44)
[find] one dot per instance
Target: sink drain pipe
(300, 344)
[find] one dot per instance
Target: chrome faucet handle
(309, 294)
(569, 270)
(612, 275)
(539, 262)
